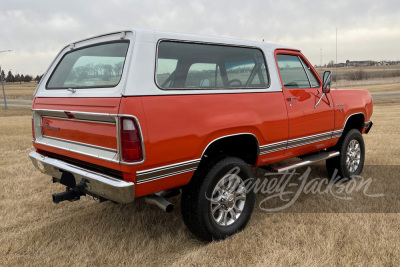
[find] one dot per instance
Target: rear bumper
(98, 184)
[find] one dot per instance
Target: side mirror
(326, 86)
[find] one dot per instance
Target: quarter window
(207, 66)
(295, 73)
(313, 80)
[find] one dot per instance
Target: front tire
(350, 162)
(217, 203)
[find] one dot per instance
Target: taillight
(131, 142)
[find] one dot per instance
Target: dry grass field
(318, 230)
(23, 91)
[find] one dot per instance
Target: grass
(372, 85)
(23, 91)
(36, 232)
(15, 111)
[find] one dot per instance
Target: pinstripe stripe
(166, 171)
(191, 165)
(273, 147)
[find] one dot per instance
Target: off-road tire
(195, 206)
(339, 164)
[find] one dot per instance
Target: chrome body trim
(82, 144)
(80, 120)
(98, 184)
(103, 153)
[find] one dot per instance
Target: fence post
(4, 92)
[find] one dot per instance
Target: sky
(366, 29)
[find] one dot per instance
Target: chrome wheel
(228, 200)
(353, 155)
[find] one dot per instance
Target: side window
(203, 75)
(239, 72)
(313, 80)
(260, 78)
(183, 65)
(292, 72)
(247, 73)
(165, 68)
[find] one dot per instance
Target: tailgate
(87, 126)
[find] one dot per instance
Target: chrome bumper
(97, 183)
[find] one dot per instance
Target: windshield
(91, 67)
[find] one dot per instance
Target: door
(310, 126)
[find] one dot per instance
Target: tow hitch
(71, 194)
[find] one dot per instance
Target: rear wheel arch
(244, 146)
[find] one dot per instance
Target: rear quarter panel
(178, 128)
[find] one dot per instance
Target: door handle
(291, 98)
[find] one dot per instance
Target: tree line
(102, 71)
(10, 78)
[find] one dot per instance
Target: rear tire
(216, 203)
(350, 162)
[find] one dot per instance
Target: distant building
(382, 63)
(339, 65)
(361, 63)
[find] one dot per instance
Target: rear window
(183, 65)
(90, 67)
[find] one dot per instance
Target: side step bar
(307, 161)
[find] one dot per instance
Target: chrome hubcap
(353, 155)
(227, 200)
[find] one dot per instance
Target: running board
(307, 161)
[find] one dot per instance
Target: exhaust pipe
(160, 202)
(70, 195)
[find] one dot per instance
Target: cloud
(37, 30)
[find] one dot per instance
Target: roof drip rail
(123, 35)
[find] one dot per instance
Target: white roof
(144, 35)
